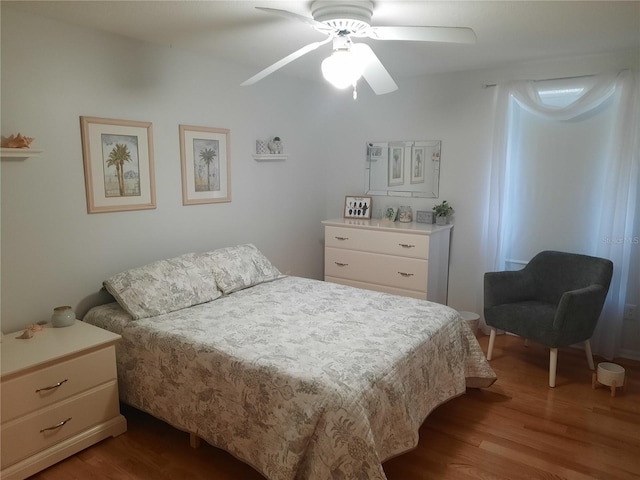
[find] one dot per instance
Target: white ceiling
(507, 31)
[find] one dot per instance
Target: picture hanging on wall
(206, 165)
(417, 164)
(118, 164)
(357, 207)
(396, 165)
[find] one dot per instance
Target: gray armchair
(556, 300)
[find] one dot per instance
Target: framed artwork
(390, 213)
(206, 165)
(396, 165)
(417, 164)
(357, 207)
(118, 164)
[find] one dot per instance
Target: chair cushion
(530, 319)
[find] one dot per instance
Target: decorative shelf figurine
(17, 146)
(269, 150)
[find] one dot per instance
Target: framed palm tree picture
(206, 165)
(118, 164)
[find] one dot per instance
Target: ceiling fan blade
(281, 63)
(374, 72)
(301, 18)
(424, 34)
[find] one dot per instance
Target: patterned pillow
(242, 266)
(163, 286)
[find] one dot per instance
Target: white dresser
(59, 395)
(410, 259)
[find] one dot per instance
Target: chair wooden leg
(492, 339)
(587, 350)
(553, 363)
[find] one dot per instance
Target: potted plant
(443, 212)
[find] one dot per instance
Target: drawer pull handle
(341, 264)
(52, 386)
(342, 238)
(404, 274)
(406, 245)
(55, 427)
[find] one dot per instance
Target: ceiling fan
(349, 61)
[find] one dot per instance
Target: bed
(302, 379)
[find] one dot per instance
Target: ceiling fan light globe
(342, 69)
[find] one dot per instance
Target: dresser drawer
(35, 432)
(385, 242)
(46, 386)
(377, 288)
(393, 271)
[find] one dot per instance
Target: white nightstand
(59, 395)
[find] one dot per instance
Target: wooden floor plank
(518, 429)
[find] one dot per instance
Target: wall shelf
(270, 157)
(19, 153)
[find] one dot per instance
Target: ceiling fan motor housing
(353, 18)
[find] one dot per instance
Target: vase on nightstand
(63, 316)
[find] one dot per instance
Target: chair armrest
(579, 310)
(507, 287)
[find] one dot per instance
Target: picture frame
(425, 216)
(357, 207)
(205, 160)
(396, 165)
(390, 213)
(417, 164)
(118, 164)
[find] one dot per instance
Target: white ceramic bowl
(608, 373)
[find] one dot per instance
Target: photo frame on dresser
(118, 164)
(357, 207)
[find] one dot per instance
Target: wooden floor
(517, 429)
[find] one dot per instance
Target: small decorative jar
(63, 316)
(261, 147)
(405, 214)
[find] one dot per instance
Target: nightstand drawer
(32, 433)
(399, 272)
(389, 243)
(44, 387)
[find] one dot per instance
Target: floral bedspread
(299, 378)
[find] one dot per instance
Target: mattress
(302, 379)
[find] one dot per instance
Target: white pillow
(163, 286)
(242, 266)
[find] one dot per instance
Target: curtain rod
(487, 85)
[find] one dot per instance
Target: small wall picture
(357, 207)
(396, 166)
(206, 164)
(417, 164)
(118, 164)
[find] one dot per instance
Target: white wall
(54, 253)
(456, 109)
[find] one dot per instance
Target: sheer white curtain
(610, 181)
